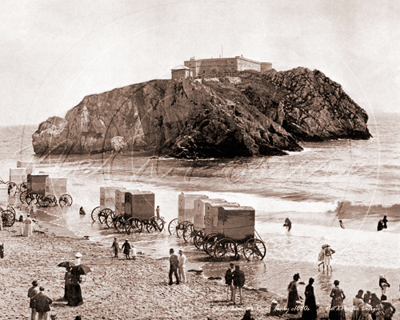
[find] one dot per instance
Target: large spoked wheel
(209, 243)
(188, 232)
(159, 223)
(65, 200)
(151, 226)
(172, 226)
(119, 223)
(254, 249)
(22, 196)
(8, 218)
(198, 239)
(43, 201)
(110, 219)
(95, 214)
(132, 224)
(104, 214)
(53, 200)
(31, 198)
(225, 248)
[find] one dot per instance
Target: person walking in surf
(288, 224)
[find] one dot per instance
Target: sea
(356, 181)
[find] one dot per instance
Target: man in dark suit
(238, 283)
(229, 279)
(42, 303)
(173, 266)
(32, 292)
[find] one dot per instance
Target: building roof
(180, 67)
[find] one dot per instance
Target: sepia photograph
(200, 159)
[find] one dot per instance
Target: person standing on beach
(310, 306)
(337, 311)
(116, 247)
(182, 266)
(126, 247)
(42, 304)
(293, 295)
(288, 224)
(158, 212)
(229, 279)
(32, 292)
(238, 283)
(328, 251)
(28, 226)
(385, 221)
(74, 296)
(341, 224)
(68, 283)
(357, 303)
(383, 284)
(173, 266)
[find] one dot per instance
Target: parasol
(66, 264)
(325, 245)
(81, 269)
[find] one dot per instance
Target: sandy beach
(116, 288)
(120, 288)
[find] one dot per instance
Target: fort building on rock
(217, 67)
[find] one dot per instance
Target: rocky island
(248, 113)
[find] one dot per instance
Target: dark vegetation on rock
(242, 115)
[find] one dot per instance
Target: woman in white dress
(28, 227)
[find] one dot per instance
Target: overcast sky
(53, 53)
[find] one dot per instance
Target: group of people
(382, 223)
(370, 307)
(26, 226)
(367, 307)
(324, 257)
(177, 266)
(39, 302)
(126, 248)
(234, 278)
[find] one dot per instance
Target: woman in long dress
(28, 226)
(310, 307)
(293, 295)
(74, 295)
(337, 311)
(357, 303)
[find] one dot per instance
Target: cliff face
(250, 114)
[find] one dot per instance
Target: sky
(54, 53)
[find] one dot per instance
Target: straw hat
(78, 255)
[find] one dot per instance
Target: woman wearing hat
(337, 311)
(293, 295)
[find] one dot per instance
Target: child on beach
(126, 247)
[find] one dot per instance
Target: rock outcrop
(249, 114)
